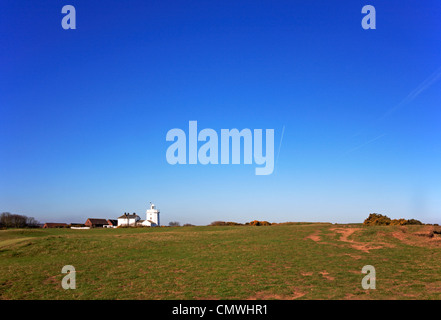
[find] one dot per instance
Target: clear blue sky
(84, 113)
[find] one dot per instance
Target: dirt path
(345, 233)
(362, 246)
(427, 236)
(345, 237)
(315, 236)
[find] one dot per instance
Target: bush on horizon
(259, 223)
(223, 223)
(376, 219)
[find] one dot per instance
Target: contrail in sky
(415, 93)
(433, 78)
(366, 143)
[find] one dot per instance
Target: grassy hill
(298, 261)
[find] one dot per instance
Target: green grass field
(299, 261)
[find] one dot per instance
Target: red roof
(97, 221)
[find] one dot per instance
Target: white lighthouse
(152, 217)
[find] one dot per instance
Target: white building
(128, 220)
(152, 217)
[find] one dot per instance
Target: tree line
(9, 220)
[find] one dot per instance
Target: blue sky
(84, 113)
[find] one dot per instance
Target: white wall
(123, 221)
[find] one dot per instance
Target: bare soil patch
(427, 236)
(362, 246)
(326, 275)
(315, 236)
(264, 295)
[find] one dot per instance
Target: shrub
(218, 223)
(231, 223)
(223, 223)
(376, 219)
(414, 221)
(259, 223)
(398, 222)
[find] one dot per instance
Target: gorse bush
(376, 219)
(414, 221)
(398, 222)
(229, 223)
(259, 223)
(223, 223)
